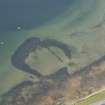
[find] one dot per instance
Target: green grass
(92, 99)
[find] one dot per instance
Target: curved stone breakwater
(18, 58)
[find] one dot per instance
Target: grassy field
(92, 99)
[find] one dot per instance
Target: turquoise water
(70, 21)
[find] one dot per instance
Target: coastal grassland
(92, 99)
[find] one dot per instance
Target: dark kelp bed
(32, 44)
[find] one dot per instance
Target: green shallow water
(74, 26)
